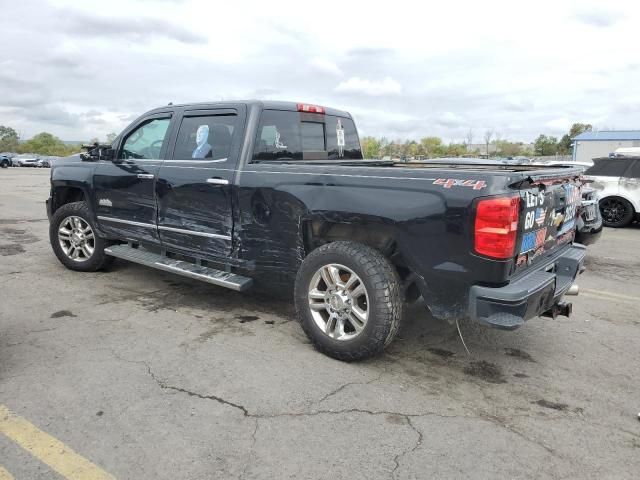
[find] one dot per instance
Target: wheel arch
(379, 236)
(68, 192)
(634, 203)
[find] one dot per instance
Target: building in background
(590, 145)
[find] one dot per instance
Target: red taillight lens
(305, 107)
(496, 226)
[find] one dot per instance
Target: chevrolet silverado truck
(277, 194)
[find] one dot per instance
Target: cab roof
(262, 104)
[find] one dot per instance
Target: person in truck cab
(278, 195)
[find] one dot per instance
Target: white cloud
(323, 65)
(450, 119)
(535, 74)
(363, 86)
(561, 124)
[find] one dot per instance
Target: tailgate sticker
(533, 240)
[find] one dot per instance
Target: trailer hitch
(559, 308)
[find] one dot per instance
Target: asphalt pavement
(132, 373)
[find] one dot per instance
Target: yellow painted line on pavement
(608, 295)
(4, 474)
(48, 449)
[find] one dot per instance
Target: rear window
(608, 167)
(286, 135)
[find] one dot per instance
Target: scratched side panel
(430, 223)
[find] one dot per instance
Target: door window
(205, 137)
(146, 141)
(286, 135)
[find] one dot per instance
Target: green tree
(46, 144)
(432, 146)
(545, 145)
(509, 149)
(370, 147)
(578, 128)
(564, 146)
(8, 139)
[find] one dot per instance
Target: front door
(125, 187)
(194, 188)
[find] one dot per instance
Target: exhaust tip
(573, 290)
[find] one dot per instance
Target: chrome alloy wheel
(76, 239)
(338, 301)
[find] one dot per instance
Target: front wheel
(616, 212)
(348, 300)
(74, 240)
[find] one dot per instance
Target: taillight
(305, 107)
(496, 226)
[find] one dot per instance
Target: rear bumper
(533, 294)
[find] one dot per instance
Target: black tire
(385, 308)
(4, 164)
(98, 259)
(616, 212)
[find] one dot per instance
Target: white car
(618, 183)
(26, 160)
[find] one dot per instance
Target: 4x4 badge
(455, 182)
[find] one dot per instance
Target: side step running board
(187, 269)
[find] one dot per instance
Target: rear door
(194, 189)
(124, 187)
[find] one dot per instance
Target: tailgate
(547, 221)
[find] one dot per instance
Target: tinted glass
(278, 136)
(205, 137)
(286, 135)
(351, 144)
(608, 167)
(634, 171)
(146, 141)
(312, 136)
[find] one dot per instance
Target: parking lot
(138, 374)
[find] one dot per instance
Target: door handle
(217, 181)
(146, 175)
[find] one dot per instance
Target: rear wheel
(74, 240)
(4, 163)
(348, 299)
(616, 212)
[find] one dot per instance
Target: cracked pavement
(152, 376)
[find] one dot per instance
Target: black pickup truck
(277, 194)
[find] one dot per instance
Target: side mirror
(97, 151)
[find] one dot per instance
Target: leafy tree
(8, 139)
(564, 146)
(46, 144)
(545, 145)
(578, 128)
(431, 146)
(505, 148)
(370, 147)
